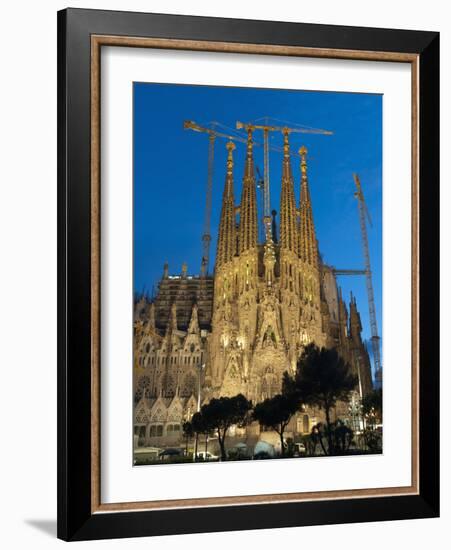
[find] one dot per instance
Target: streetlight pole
(200, 367)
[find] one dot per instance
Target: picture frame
(81, 35)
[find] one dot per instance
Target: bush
(373, 439)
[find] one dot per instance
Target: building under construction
(240, 329)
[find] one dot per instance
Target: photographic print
(247, 274)
(257, 261)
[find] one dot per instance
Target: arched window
(173, 429)
(156, 430)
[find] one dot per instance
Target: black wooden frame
(75, 520)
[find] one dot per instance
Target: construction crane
(212, 135)
(261, 188)
(348, 271)
(266, 128)
(375, 340)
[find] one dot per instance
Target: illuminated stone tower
(267, 303)
(311, 326)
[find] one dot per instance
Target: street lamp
(201, 368)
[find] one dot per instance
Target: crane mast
(375, 340)
(206, 235)
(266, 199)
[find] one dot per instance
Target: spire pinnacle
(288, 216)
(308, 248)
(230, 148)
(286, 143)
(172, 325)
(194, 321)
(227, 236)
(249, 142)
(354, 315)
(152, 316)
(248, 206)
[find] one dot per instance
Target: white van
(207, 456)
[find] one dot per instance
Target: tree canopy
(276, 412)
(220, 414)
(322, 378)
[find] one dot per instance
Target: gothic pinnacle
(288, 216)
(226, 237)
(230, 148)
(286, 143)
(248, 205)
(172, 324)
(308, 248)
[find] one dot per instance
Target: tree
(322, 378)
(372, 407)
(188, 433)
(276, 412)
(311, 441)
(222, 413)
(337, 432)
(343, 436)
(200, 425)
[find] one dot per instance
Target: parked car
(299, 449)
(207, 456)
(145, 455)
(167, 454)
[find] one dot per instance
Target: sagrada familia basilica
(239, 330)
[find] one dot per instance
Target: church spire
(308, 248)
(288, 226)
(355, 325)
(248, 207)
(152, 316)
(172, 324)
(226, 238)
(194, 322)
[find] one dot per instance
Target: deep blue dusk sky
(170, 172)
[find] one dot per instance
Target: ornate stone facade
(239, 331)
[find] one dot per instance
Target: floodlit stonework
(239, 330)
